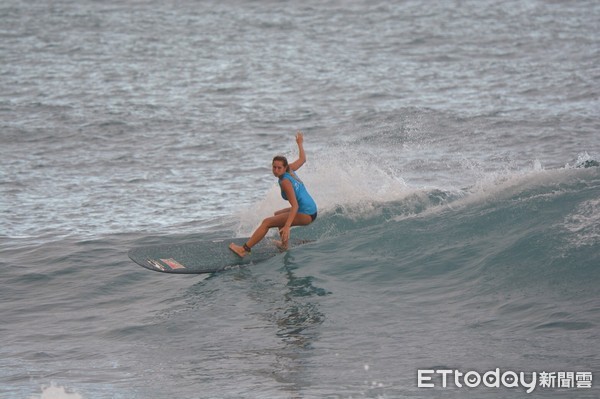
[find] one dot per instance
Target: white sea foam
(341, 181)
(55, 391)
(584, 223)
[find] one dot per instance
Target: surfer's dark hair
(284, 160)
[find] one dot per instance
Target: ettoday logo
(507, 379)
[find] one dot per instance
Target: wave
(518, 253)
(535, 230)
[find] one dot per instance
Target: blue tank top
(306, 204)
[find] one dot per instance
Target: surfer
(303, 210)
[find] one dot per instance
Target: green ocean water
(501, 279)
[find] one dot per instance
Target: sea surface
(453, 150)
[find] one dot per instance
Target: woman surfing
(303, 210)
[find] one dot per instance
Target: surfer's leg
(286, 210)
(278, 221)
(262, 230)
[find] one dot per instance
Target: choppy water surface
(447, 144)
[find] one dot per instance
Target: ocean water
(453, 151)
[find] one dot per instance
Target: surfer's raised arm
(301, 155)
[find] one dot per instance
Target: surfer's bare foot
(238, 249)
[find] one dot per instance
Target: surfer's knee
(268, 223)
(264, 224)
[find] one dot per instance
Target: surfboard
(199, 257)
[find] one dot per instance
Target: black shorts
(313, 216)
